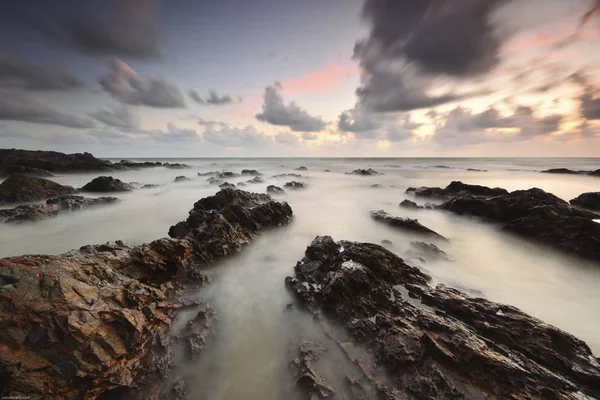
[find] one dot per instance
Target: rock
(293, 185)
(376, 186)
(53, 207)
(106, 184)
(387, 243)
(24, 170)
(410, 204)
(327, 170)
(241, 184)
(406, 224)
(426, 251)
(272, 189)
(539, 216)
(476, 170)
(455, 188)
(215, 181)
(301, 169)
(308, 379)
(226, 175)
(175, 165)
(256, 179)
(364, 172)
(250, 172)
(436, 343)
(590, 200)
(21, 188)
(441, 167)
(227, 185)
(564, 171)
(181, 178)
(150, 186)
(210, 173)
(288, 176)
(595, 173)
(94, 322)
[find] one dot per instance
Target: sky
(282, 78)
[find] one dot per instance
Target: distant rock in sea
(106, 184)
(22, 188)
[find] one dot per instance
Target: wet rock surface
(95, 321)
(405, 224)
(537, 215)
(435, 343)
(22, 188)
(53, 207)
(294, 185)
(103, 184)
(590, 200)
(455, 188)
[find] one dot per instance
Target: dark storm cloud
(412, 41)
(213, 99)
(276, 112)
(120, 117)
(16, 73)
(126, 28)
(124, 84)
(19, 106)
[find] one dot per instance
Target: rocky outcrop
(364, 172)
(421, 342)
(227, 185)
(181, 178)
(405, 224)
(95, 321)
(215, 181)
(476, 170)
(409, 204)
(293, 185)
(288, 176)
(563, 171)
(209, 173)
(272, 189)
(301, 169)
(256, 179)
(539, 216)
(103, 184)
(53, 207)
(22, 188)
(226, 175)
(250, 172)
(590, 200)
(456, 188)
(24, 170)
(425, 252)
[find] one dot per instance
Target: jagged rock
(455, 188)
(21, 188)
(426, 251)
(175, 165)
(226, 175)
(437, 343)
(227, 185)
(24, 170)
(150, 186)
(250, 172)
(95, 321)
(293, 185)
(106, 184)
(301, 169)
(209, 173)
(537, 215)
(181, 178)
(256, 179)
(590, 200)
(215, 181)
(272, 189)
(410, 204)
(405, 224)
(364, 172)
(308, 379)
(53, 207)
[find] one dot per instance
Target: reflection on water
(253, 329)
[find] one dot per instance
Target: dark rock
(106, 184)
(227, 185)
(288, 176)
(595, 173)
(563, 171)
(210, 173)
(441, 167)
(241, 184)
(376, 186)
(308, 379)
(215, 181)
(455, 188)
(52, 161)
(476, 170)
(24, 170)
(436, 343)
(175, 165)
(53, 207)
(250, 172)
(226, 175)
(150, 186)
(256, 179)
(387, 243)
(410, 204)
(301, 169)
(181, 178)
(364, 172)
(426, 251)
(293, 185)
(539, 216)
(327, 170)
(21, 188)
(406, 224)
(272, 189)
(590, 200)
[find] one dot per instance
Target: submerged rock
(455, 188)
(436, 343)
(476, 170)
(272, 189)
(95, 321)
(537, 215)
(256, 179)
(53, 207)
(426, 251)
(181, 178)
(406, 224)
(301, 169)
(215, 181)
(291, 175)
(226, 175)
(563, 171)
(209, 173)
(250, 172)
(106, 184)
(590, 200)
(21, 188)
(364, 172)
(410, 204)
(293, 185)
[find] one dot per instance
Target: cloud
(590, 104)
(287, 138)
(224, 135)
(172, 135)
(120, 117)
(461, 126)
(124, 84)
(319, 82)
(410, 43)
(276, 112)
(366, 124)
(20, 106)
(124, 28)
(212, 99)
(16, 73)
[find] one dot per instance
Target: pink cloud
(319, 82)
(554, 40)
